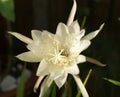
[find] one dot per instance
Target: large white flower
(58, 53)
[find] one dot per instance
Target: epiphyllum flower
(58, 53)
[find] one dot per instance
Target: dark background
(46, 14)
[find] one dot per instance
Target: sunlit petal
(21, 37)
(43, 68)
(94, 61)
(41, 52)
(84, 45)
(72, 13)
(28, 57)
(74, 28)
(92, 34)
(61, 80)
(80, 59)
(45, 85)
(56, 72)
(61, 30)
(36, 34)
(81, 86)
(72, 68)
(37, 83)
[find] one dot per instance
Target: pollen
(59, 57)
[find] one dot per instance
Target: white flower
(58, 53)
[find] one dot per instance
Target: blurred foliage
(119, 19)
(20, 89)
(7, 9)
(85, 82)
(117, 83)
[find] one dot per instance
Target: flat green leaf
(20, 89)
(7, 9)
(117, 83)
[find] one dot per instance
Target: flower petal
(37, 83)
(45, 85)
(62, 35)
(93, 34)
(75, 48)
(56, 72)
(94, 61)
(36, 34)
(41, 52)
(82, 33)
(74, 28)
(28, 57)
(61, 80)
(21, 37)
(43, 68)
(42, 44)
(81, 86)
(72, 13)
(61, 30)
(84, 45)
(72, 68)
(81, 59)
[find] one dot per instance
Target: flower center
(59, 57)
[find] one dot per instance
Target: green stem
(83, 22)
(85, 82)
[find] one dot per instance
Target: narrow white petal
(56, 72)
(61, 80)
(36, 34)
(77, 47)
(72, 68)
(28, 57)
(74, 28)
(72, 13)
(62, 33)
(61, 30)
(84, 45)
(82, 33)
(43, 68)
(93, 34)
(81, 86)
(38, 49)
(94, 61)
(37, 83)
(21, 37)
(45, 85)
(81, 59)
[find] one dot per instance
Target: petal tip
(103, 65)
(34, 90)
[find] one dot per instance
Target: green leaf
(51, 91)
(54, 90)
(65, 92)
(20, 89)
(117, 83)
(7, 9)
